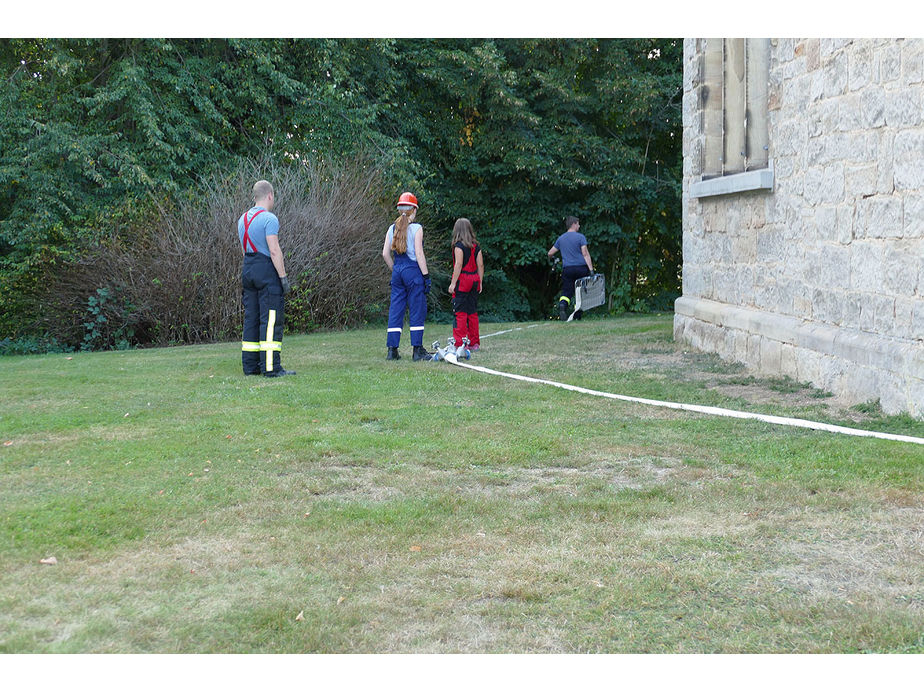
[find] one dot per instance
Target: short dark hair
(570, 221)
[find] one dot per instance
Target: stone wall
(822, 277)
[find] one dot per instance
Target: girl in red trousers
(466, 283)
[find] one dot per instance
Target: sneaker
(393, 354)
(278, 373)
(475, 347)
(421, 354)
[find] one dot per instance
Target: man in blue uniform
(264, 285)
(575, 263)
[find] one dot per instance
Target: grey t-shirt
(569, 245)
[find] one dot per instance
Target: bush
(176, 278)
(23, 346)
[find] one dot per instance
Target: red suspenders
(471, 267)
(246, 240)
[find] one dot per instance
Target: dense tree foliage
(513, 133)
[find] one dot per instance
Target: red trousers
(465, 306)
(466, 326)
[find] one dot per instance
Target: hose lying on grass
(698, 408)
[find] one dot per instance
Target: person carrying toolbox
(263, 286)
(575, 261)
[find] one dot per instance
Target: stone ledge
(864, 348)
(761, 179)
(853, 364)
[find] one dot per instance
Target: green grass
(417, 507)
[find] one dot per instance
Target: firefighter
(410, 282)
(466, 282)
(575, 264)
(264, 285)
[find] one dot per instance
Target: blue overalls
(407, 293)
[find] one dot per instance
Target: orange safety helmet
(407, 199)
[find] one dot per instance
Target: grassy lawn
(373, 506)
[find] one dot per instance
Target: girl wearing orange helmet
(410, 282)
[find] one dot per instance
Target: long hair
(399, 238)
(462, 232)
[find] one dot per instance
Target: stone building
(803, 212)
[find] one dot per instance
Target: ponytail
(399, 239)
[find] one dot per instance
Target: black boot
(421, 354)
(563, 310)
(393, 354)
(278, 373)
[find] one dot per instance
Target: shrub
(176, 278)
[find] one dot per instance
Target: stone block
(883, 309)
(912, 61)
(849, 113)
(897, 260)
(904, 317)
(770, 356)
(908, 175)
(788, 366)
(914, 359)
(850, 311)
(812, 55)
(817, 338)
(913, 216)
(879, 216)
(833, 271)
(808, 366)
(827, 306)
(846, 218)
(836, 75)
(861, 179)
(725, 286)
(916, 398)
(909, 144)
(890, 62)
(824, 185)
(831, 46)
(862, 382)
(903, 107)
(753, 354)
(885, 158)
(917, 319)
(740, 346)
(862, 64)
(872, 107)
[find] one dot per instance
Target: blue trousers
(407, 293)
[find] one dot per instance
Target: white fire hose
(698, 408)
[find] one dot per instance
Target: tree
(513, 133)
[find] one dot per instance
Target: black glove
(426, 283)
(286, 287)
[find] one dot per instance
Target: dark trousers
(264, 315)
(569, 275)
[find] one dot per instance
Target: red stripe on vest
(246, 240)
